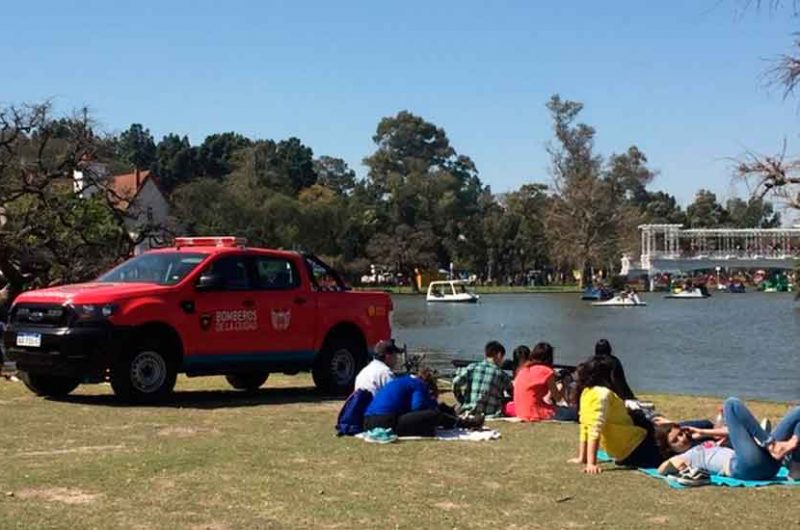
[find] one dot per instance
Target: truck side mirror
(209, 282)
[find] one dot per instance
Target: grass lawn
(215, 459)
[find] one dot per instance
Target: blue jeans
(565, 414)
(752, 461)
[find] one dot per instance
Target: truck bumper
(76, 352)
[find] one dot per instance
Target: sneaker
(766, 425)
(379, 435)
(473, 422)
(693, 477)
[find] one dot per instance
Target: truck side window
(233, 271)
(276, 274)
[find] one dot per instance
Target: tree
(136, 147)
(215, 154)
(418, 179)
(705, 211)
(583, 217)
(777, 175)
(753, 213)
(49, 234)
(176, 162)
(663, 208)
(334, 174)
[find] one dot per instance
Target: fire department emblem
(205, 321)
(281, 319)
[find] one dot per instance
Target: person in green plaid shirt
(479, 387)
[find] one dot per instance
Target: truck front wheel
(337, 365)
(247, 382)
(145, 373)
(49, 385)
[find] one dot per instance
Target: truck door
(286, 309)
(226, 313)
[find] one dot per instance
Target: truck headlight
(88, 312)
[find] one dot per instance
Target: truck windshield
(163, 268)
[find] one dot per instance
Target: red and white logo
(281, 319)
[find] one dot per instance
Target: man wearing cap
(378, 372)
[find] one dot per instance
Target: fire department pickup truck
(207, 306)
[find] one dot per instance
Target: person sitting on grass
(605, 423)
(480, 388)
(536, 394)
(408, 405)
(378, 372)
(754, 454)
(617, 382)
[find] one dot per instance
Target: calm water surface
(729, 344)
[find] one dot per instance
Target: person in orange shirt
(536, 394)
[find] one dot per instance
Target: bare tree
(49, 232)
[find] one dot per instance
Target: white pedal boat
(452, 291)
(621, 301)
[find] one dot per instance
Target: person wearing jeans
(754, 453)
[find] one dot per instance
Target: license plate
(31, 340)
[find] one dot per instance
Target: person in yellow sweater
(606, 424)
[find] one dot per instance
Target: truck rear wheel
(247, 382)
(49, 385)
(146, 373)
(337, 365)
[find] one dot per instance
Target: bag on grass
(351, 417)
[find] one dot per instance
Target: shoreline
(556, 289)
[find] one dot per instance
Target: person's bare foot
(779, 450)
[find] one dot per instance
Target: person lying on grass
(754, 453)
(480, 388)
(605, 423)
(536, 393)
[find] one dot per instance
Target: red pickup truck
(207, 306)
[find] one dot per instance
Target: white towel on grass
(452, 435)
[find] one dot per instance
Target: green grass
(490, 289)
(215, 459)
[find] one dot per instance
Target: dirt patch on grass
(184, 432)
(84, 449)
(448, 506)
(72, 496)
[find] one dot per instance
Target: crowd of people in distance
(596, 395)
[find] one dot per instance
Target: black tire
(248, 382)
(337, 365)
(145, 373)
(49, 385)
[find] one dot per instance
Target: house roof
(125, 187)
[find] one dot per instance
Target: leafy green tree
(215, 154)
(176, 162)
(753, 213)
(663, 208)
(418, 179)
(136, 147)
(335, 174)
(583, 217)
(705, 211)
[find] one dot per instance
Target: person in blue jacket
(407, 405)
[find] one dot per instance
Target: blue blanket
(716, 480)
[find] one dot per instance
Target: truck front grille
(50, 316)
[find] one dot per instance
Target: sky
(683, 80)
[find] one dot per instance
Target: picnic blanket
(716, 480)
(514, 419)
(451, 435)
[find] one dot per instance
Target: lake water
(730, 344)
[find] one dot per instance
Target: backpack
(351, 417)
